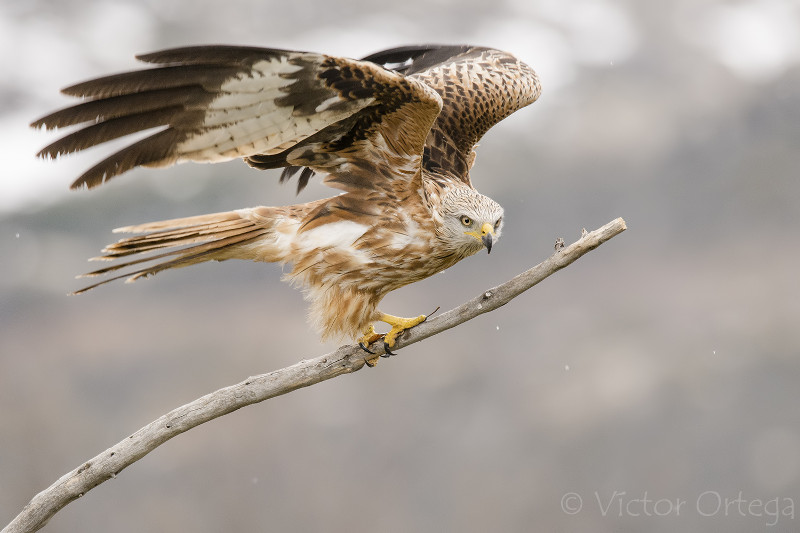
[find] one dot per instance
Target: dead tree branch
(256, 389)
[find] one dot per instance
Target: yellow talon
(399, 325)
(368, 338)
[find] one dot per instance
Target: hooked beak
(487, 237)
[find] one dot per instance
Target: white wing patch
(341, 234)
(245, 119)
(274, 69)
(327, 103)
(412, 234)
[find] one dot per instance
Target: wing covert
(479, 88)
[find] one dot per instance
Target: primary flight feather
(395, 131)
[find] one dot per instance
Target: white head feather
(464, 212)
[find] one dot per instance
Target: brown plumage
(394, 131)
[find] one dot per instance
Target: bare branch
(256, 389)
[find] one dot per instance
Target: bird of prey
(395, 131)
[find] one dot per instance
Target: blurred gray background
(662, 367)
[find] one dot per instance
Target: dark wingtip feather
(44, 122)
(210, 54)
(109, 130)
(103, 109)
(411, 59)
(304, 177)
(288, 172)
(166, 77)
(156, 150)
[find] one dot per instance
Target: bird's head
(470, 220)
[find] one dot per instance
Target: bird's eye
(466, 221)
(497, 224)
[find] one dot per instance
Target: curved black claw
(386, 349)
(365, 348)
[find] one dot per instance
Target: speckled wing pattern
(275, 107)
(479, 87)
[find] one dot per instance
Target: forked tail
(245, 234)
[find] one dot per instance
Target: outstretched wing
(353, 120)
(479, 88)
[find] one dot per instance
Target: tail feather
(188, 241)
(186, 222)
(166, 239)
